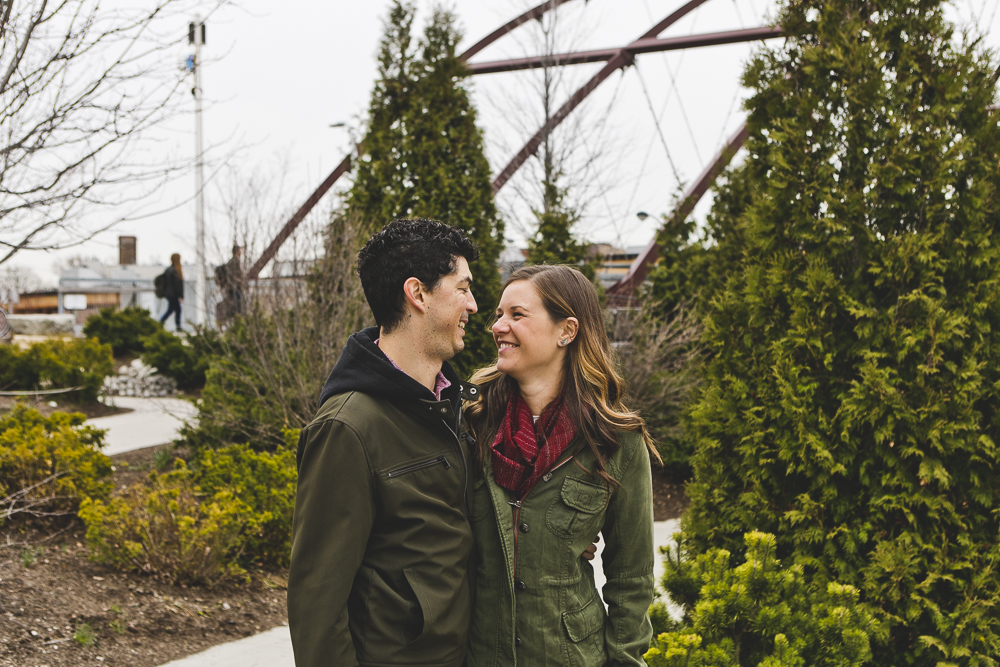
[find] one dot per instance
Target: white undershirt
(534, 418)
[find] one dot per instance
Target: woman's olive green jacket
(549, 612)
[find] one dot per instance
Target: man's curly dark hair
(408, 248)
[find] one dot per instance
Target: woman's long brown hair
(592, 386)
(175, 261)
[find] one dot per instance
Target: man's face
(448, 309)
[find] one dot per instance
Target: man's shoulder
(362, 412)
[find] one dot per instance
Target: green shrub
(204, 523)
(49, 464)
(851, 401)
(57, 364)
(265, 379)
(124, 330)
(757, 614)
(184, 360)
(266, 483)
(166, 529)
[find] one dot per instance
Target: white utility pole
(196, 37)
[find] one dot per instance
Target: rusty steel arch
(614, 59)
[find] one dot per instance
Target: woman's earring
(564, 342)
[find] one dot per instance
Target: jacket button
(520, 585)
(444, 411)
(517, 642)
(547, 476)
(524, 527)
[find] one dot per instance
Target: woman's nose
(499, 326)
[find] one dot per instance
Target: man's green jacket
(381, 538)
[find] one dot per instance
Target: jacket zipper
(417, 466)
(461, 456)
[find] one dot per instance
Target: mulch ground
(44, 405)
(59, 608)
(669, 499)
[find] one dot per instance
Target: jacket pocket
(419, 465)
(582, 623)
(578, 502)
(385, 615)
(584, 629)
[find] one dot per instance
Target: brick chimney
(126, 250)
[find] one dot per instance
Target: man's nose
(470, 305)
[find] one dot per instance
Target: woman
(173, 290)
(561, 461)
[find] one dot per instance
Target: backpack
(160, 285)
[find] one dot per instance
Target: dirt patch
(58, 608)
(669, 498)
(42, 404)
(134, 467)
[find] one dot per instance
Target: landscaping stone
(138, 379)
(41, 325)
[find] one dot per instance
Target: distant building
(614, 265)
(615, 262)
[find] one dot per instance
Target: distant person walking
(229, 279)
(173, 290)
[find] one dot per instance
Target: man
(229, 280)
(381, 537)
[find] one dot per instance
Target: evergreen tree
(852, 398)
(424, 156)
(693, 264)
(554, 243)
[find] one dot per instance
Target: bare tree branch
(81, 87)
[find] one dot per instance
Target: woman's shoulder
(631, 445)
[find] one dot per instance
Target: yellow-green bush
(203, 523)
(166, 529)
(49, 464)
(757, 614)
(264, 482)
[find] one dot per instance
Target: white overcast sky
(279, 74)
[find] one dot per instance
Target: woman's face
(528, 341)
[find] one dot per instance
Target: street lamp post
(196, 37)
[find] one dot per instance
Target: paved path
(155, 421)
(273, 648)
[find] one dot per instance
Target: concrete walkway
(273, 648)
(155, 421)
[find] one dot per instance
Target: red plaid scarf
(524, 450)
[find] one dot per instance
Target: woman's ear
(570, 328)
(415, 294)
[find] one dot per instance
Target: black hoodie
(364, 367)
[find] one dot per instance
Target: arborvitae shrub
(852, 399)
(757, 613)
(424, 156)
(124, 330)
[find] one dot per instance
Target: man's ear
(416, 294)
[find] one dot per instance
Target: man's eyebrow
(465, 279)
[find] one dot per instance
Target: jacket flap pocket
(583, 496)
(584, 622)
